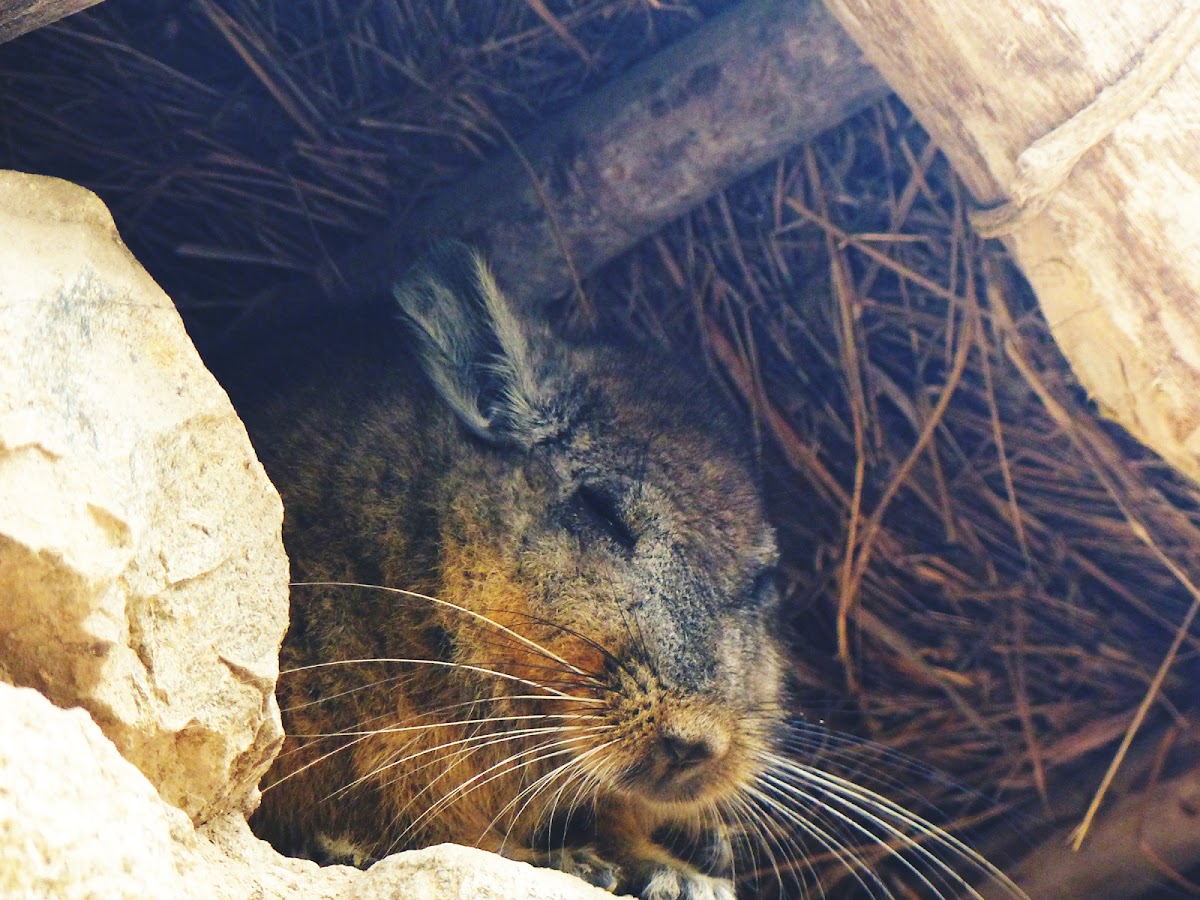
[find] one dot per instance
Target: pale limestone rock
(238, 865)
(143, 579)
(141, 564)
(1075, 123)
(450, 872)
(79, 821)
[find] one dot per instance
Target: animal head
(601, 515)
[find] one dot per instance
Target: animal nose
(687, 751)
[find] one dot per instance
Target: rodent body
(597, 674)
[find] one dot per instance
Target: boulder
(144, 591)
(140, 553)
(79, 821)
(76, 819)
(450, 872)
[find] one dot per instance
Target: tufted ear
(478, 352)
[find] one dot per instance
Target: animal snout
(683, 748)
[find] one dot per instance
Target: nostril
(686, 752)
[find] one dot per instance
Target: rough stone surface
(79, 821)
(67, 795)
(450, 872)
(141, 563)
(1083, 117)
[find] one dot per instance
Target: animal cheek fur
(510, 631)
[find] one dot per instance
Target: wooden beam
(1078, 121)
(18, 17)
(737, 93)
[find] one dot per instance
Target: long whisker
(608, 655)
(843, 850)
(739, 810)
(473, 743)
(858, 866)
(440, 711)
(541, 784)
(567, 743)
(872, 765)
(320, 759)
(349, 745)
(503, 698)
(407, 676)
(859, 797)
(851, 861)
(445, 664)
(477, 742)
(360, 735)
(864, 758)
(527, 795)
(446, 603)
(508, 765)
(584, 782)
(633, 628)
(883, 812)
(503, 644)
(426, 726)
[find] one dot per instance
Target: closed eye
(766, 591)
(600, 510)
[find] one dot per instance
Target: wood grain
(1114, 252)
(20, 16)
(737, 93)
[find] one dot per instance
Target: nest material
(987, 575)
(983, 573)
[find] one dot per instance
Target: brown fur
(492, 485)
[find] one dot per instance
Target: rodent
(605, 673)
(535, 610)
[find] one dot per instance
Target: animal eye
(766, 589)
(599, 508)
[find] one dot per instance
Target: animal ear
(477, 351)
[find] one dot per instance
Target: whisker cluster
(825, 812)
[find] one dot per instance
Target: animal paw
(668, 883)
(582, 862)
(682, 866)
(326, 850)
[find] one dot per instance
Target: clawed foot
(667, 883)
(673, 866)
(582, 862)
(327, 850)
(703, 872)
(659, 878)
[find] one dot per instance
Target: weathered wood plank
(20, 16)
(737, 93)
(1105, 212)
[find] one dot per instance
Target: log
(20, 16)
(737, 93)
(1075, 123)
(1132, 849)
